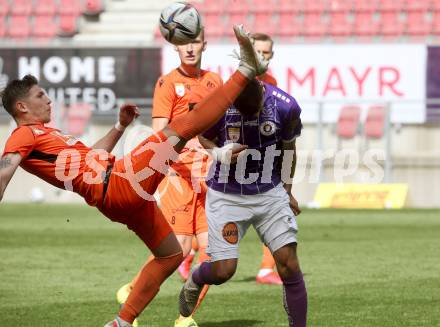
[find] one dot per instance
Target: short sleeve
(163, 99)
(292, 125)
(22, 141)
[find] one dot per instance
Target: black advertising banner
(433, 85)
(97, 76)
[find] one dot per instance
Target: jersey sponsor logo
(182, 209)
(230, 233)
(233, 133)
(161, 81)
(180, 89)
(281, 96)
(267, 128)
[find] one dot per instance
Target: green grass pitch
(61, 265)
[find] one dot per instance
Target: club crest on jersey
(233, 133)
(267, 128)
(180, 89)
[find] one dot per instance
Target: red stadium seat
(237, 6)
(4, 7)
(21, 7)
(290, 6)
(212, 6)
(235, 18)
(392, 25)
(45, 7)
(2, 26)
(289, 26)
(93, 7)
(264, 6)
(375, 122)
(68, 7)
(366, 5)
(340, 25)
(419, 5)
(214, 26)
(239, 18)
(348, 122)
(314, 26)
(44, 27)
(68, 25)
(393, 5)
(264, 23)
(341, 5)
(418, 25)
(315, 6)
(435, 28)
(19, 27)
(365, 26)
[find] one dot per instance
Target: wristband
(119, 127)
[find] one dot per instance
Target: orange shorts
(129, 197)
(182, 206)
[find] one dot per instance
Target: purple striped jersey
(263, 134)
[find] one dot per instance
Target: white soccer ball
(180, 23)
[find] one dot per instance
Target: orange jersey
(173, 95)
(175, 92)
(269, 79)
(61, 160)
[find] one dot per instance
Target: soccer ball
(180, 23)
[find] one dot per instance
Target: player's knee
(223, 273)
(287, 260)
(288, 268)
(172, 262)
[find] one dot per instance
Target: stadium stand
(45, 7)
(286, 20)
(19, 27)
(366, 20)
(44, 27)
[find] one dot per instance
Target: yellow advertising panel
(368, 196)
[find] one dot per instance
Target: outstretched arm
(127, 114)
(8, 166)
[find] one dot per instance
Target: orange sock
(202, 255)
(268, 261)
(134, 280)
(210, 109)
(152, 275)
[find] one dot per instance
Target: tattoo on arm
(5, 162)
